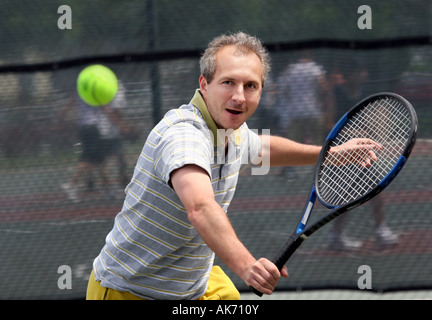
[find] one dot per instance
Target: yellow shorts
(220, 287)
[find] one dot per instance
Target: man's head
(233, 71)
(244, 43)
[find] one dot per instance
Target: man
(173, 219)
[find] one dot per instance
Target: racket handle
(258, 293)
(283, 255)
(286, 251)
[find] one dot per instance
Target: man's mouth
(233, 111)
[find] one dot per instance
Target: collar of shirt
(198, 101)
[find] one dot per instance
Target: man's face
(235, 90)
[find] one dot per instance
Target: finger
(373, 144)
(265, 276)
(271, 279)
(367, 163)
(263, 288)
(264, 285)
(372, 155)
(270, 269)
(366, 142)
(284, 272)
(275, 273)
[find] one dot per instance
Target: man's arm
(193, 186)
(286, 152)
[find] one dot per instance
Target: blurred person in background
(304, 102)
(100, 132)
(348, 90)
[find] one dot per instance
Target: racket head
(397, 136)
(386, 118)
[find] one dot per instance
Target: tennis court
(46, 231)
(144, 42)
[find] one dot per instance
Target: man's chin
(233, 125)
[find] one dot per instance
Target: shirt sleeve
(180, 145)
(254, 146)
(251, 147)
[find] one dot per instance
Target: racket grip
(282, 256)
(258, 293)
(286, 251)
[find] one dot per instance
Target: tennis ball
(97, 85)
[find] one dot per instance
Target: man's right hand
(263, 275)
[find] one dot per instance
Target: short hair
(244, 43)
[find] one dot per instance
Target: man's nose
(238, 95)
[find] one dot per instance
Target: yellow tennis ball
(97, 85)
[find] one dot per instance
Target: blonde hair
(244, 43)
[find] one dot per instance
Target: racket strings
(387, 133)
(385, 121)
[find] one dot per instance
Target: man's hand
(355, 151)
(264, 275)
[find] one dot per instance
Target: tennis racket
(342, 181)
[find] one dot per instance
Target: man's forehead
(236, 51)
(230, 56)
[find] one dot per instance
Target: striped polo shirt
(153, 251)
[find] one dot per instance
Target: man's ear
(203, 84)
